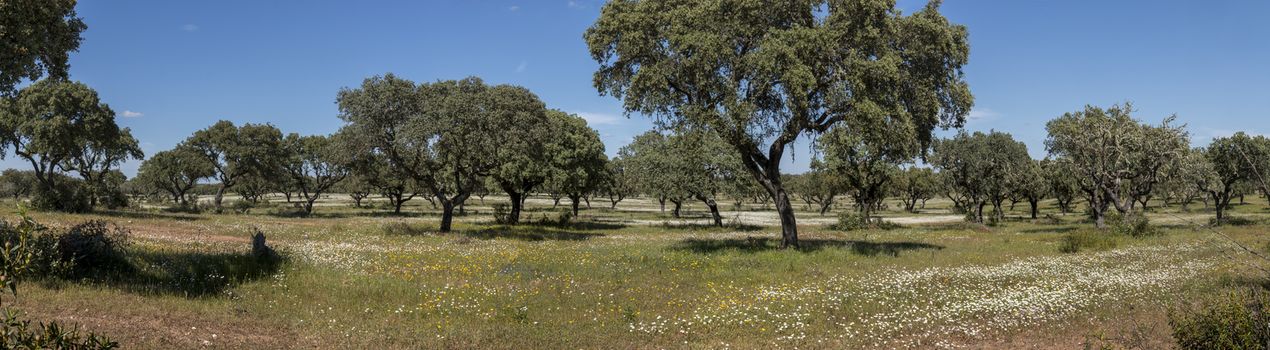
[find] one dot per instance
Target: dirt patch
(138, 323)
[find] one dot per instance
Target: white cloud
(513, 8)
(600, 118)
(981, 114)
(522, 66)
(131, 114)
(189, 27)
(575, 4)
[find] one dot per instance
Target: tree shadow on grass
(184, 274)
(755, 245)
(1061, 229)
(148, 215)
(528, 233)
(708, 227)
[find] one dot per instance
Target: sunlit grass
(362, 278)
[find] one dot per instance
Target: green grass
(628, 278)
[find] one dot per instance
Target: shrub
(21, 334)
(1076, 241)
(241, 207)
(1233, 221)
(20, 253)
(501, 214)
(288, 212)
(94, 245)
(29, 250)
(1136, 225)
(564, 218)
(851, 221)
(400, 228)
(1234, 321)
(114, 199)
(993, 221)
(1052, 220)
(193, 206)
(67, 195)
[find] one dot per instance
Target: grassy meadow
(635, 278)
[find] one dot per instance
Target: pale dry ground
(694, 212)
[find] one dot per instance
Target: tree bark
(220, 195)
(1035, 207)
(789, 231)
(575, 200)
(513, 217)
(714, 209)
(447, 215)
(678, 205)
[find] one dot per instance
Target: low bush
(501, 214)
(25, 246)
(288, 212)
(1079, 240)
(191, 207)
(851, 221)
(1136, 225)
(67, 195)
(563, 218)
(241, 207)
(22, 334)
(30, 250)
(1232, 221)
(1050, 219)
(1237, 320)
(401, 228)
(94, 246)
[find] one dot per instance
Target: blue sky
(169, 68)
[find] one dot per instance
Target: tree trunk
(220, 195)
(824, 207)
(979, 212)
(513, 217)
(396, 204)
(447, 215)
(662, 202)
(574, 200)
(789, 230)
(714, 209)
(308, 205)
(1035, 207)
(678, 205)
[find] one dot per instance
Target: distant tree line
(1103, 157)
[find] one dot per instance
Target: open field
(635, 278)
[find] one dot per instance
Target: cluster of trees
(58, 126)
(445, 141)
(680, 166)
(1102, 156)
(761, 74)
